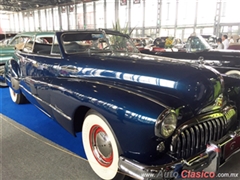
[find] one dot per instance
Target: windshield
(197, 43)
(82, 42)
(18, 40)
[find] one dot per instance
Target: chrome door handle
(69, 68)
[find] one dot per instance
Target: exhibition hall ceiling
(22, 5)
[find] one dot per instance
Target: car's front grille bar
(193, 139)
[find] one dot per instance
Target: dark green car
(6, 51)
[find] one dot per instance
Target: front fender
(131, 116)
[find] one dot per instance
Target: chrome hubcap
(101, 146)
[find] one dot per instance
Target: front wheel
(100, 146)
(18, 98)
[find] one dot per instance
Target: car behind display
(137, 113)
(199, 51)
(7, 50)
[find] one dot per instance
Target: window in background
(43, 20)
(12, 27)
(179, 33)
(64, 17)
(207, 31)
(26, 21)
(36, 20)
(31, 21)
(89, 16)
(151, 13)
(230, 11)
(21, 25)
(123, 15)
(186, 12)
(72, 20)
(199, 31)
(16, 22)
(80, 16)
(206, 13)
(110, 14)
(223, 13)
(167, 32)
(168, 13)
(49, 19)
(56, 19)
(99, 15)
(234, 30)
(187, 33)
(137, 14)
(4, 23)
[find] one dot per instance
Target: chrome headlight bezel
(163, 121)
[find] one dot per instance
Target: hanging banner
(123, 2)
(71, 8)
(63, 9)
(136, 1)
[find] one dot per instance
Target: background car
(211, 40)
(199, 51)
(8, 48)
(162, 44)
(137, 113)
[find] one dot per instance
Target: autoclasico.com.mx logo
(187, 174)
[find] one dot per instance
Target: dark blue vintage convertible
(140, 115)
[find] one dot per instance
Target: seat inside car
(40, 48)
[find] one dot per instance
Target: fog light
(161, 147)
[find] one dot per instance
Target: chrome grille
(193, 139)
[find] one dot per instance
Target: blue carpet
(31, 117)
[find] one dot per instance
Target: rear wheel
(100, 146)
(18, 98)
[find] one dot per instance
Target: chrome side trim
(50, 105)
(43, 111)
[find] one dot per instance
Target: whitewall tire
(100, 146)
(18, 98)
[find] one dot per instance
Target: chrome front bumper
(215, 155)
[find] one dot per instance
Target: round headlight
(166, 124)
(169, 125)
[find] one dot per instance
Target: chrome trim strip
(50, 105)
(43, 111)
(54, 56)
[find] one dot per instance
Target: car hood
(166, 80)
